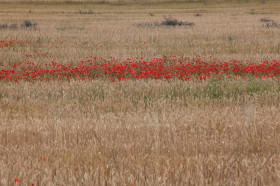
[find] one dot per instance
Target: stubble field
(103, 94)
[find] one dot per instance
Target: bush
(4, 26)
(86, 12)
(197, 15)
(269, 23)
(272, 24)
(265, 20)
(26, 24)
(168, 21)
(13, 26)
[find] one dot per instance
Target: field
(109, 93)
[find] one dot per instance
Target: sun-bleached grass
(223, 32)
(136, 132)
(152, 132)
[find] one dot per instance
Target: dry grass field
(139, 132)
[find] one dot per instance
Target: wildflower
(106, 171)
(44, 158)
(16, 180)
(18, 165)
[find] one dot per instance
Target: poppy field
(112, 69)
(139, 93)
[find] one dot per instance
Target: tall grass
(219, 132)
(139, 133)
